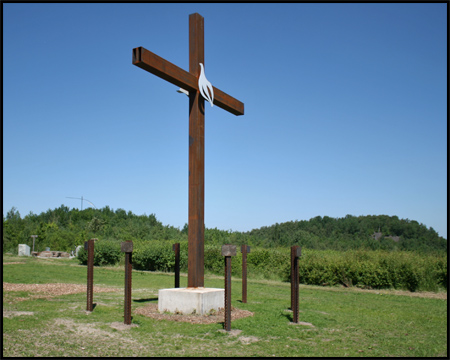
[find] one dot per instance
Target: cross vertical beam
(196, 217)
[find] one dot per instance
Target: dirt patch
(121, 326)
(302, 323)
(10, 314)
(54, 289)
(83, 329)
(245, 340)
(14, 262)
(91, 331)
(233, 332)
(152, 312)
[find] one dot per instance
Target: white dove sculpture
(205, 86)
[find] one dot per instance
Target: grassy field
(344, 321)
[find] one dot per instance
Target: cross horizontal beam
(158, 66)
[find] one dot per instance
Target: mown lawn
(345, 322)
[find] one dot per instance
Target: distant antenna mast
(34, 238)
(68, 197)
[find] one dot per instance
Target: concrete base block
(189, 300)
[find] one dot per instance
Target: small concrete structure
(24, 250)
(191, 300)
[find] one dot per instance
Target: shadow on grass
(288, 316)
(145, 300)
(93, 307)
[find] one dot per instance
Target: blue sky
(345, 111)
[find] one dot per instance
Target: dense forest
(63, 229)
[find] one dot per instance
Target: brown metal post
(196, 233)
(244, 249)
(89, 246)
(295, 254)
(292, 278)
(127, 303)
(228, 251)
(227, 322)
(176, 248)
(127, 248)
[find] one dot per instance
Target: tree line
(63, 229)
(352, 232)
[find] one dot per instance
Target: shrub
(154, 256)
(409, 277)
(106, 252)
(214, 261)
(267, 263)
(440, 273)
(364, 268)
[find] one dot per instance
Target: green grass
(346, 322)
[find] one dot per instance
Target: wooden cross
(189, 81)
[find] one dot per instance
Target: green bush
(371, 275)
(271, 263)
(214, 261)
(154, 256)
(106, 252)
(371, 269)
(409, 277)
(376, 269)
(259, 258)
(440, 273)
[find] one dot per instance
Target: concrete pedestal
(189, 300)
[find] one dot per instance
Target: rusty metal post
(176, 248)
(89, 246)
(196, 223)
(244, 249)
(127, 248)
(228, 251)
(296, 252)
(292, 278)
(127, 302)
(227, 320)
